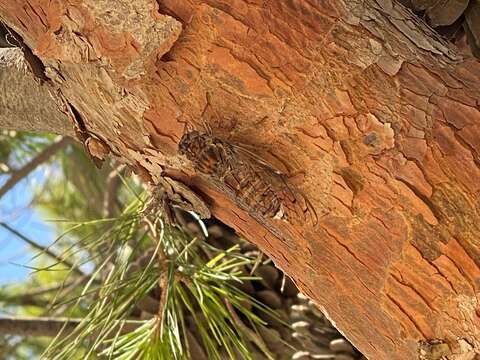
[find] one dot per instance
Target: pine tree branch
(42, 290)
(45, 250)
(24, 300)
(253, 336)
(12, 325)
(34, 296)
(45, 326)
(41, 158)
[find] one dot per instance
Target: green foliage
(128, 258)
(18, 147)
(77, 190)
(202, 286)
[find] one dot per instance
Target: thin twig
(110, 198)
(247, 331)
(41, 158)
(24, 300)
(163, 284)
(34, 296)
(163, 276)
(43, 249)
(42, 290)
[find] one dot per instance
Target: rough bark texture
(375, 119)
(25, 103)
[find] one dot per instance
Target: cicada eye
(182, 147)
(184, 142)
(187, 143)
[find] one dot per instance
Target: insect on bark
(252, 184)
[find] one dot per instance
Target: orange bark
(373, 117)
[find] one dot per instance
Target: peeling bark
(373, 117)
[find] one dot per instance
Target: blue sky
(16, 212)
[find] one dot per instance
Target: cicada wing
(294, 205)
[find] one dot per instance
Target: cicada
(253, 185)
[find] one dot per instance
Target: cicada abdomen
(252, 184)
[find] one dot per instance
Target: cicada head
(191, 144)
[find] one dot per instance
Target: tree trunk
(374, 118)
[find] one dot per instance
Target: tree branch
(110, 199)
(25, 300)
(374, 127)
(42, 157)
(34, 296)
(31, 326)
(26, 104)
(43, 249)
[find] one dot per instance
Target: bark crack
(410, 317)
(345, 247)
(424, 199)
(40, 18)
(437, 270)
(462, 272)
(402, 282)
